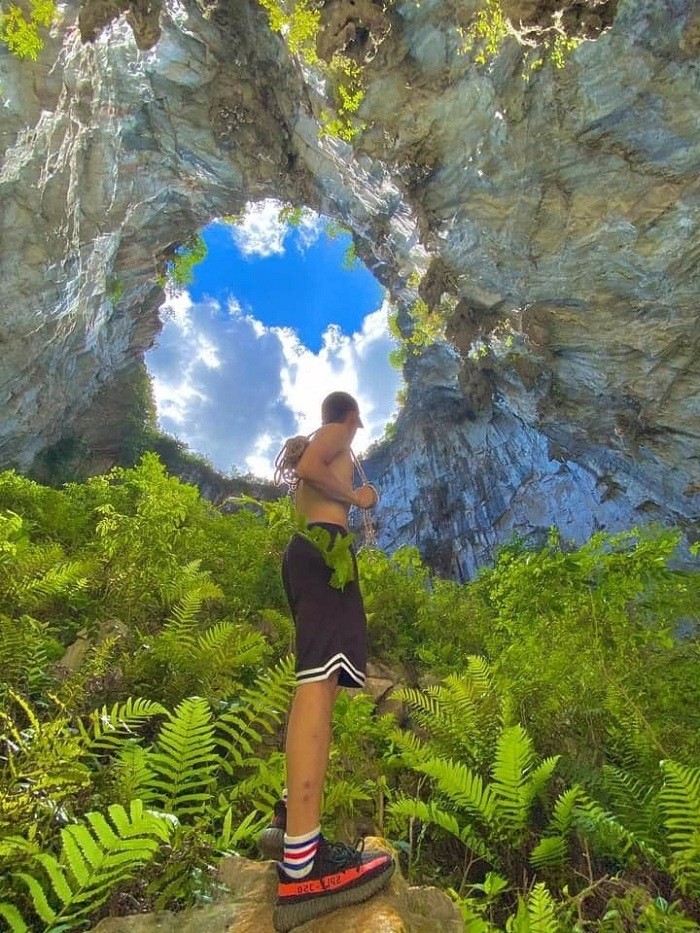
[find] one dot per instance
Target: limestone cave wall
(557, 213)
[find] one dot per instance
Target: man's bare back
(325, 492)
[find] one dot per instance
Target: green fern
(490, 815)
(515, 784)
(432, 814)
(185, 759)
(635, 804)
(44, 765)
(463, 787)
(258, 711)
(536, 914)
(110, 728)
(551, 850)
(24, 660)
(564, 810)
(190, 581)
(198, 659)
(680, 803)
(14, 918)
(132, 774)
(95, 859)
(608, 836)
(259, 790)
(460, 713)
(65, 578)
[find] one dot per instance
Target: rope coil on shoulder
(288, 459)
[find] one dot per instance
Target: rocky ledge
(247, 907)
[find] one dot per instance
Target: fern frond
(680, 802)
(259, 710)
(261, 789)
(459, 713)
(95, 859)
(407, 808)
(479, 673)
(549, 852)
(462, 786)
(541, 910)
(413, 749)
(132, 774)
(635, 804)
(223, 651)
(177, 642)
(419, 701)
(190, 579)
(344, 793)
(23, 657)
(564, 810)
(511, 784)
(110, 728)
(14, 918)
(66, 578)
(601, 827)
(185, 760)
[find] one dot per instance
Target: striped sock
(299, 853)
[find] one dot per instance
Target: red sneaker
(341, 876)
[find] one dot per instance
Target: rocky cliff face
(559, 214)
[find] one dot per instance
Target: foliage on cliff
(549, 776)
(21, 27)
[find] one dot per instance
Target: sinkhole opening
(266, 313)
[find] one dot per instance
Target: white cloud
(358, 364)
(260, 232)
(234, 389)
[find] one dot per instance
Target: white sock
(299, 853)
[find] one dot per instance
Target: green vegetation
(187, 256)
(491, 27)
(180, 268)
(19, 28)
(292, 215)
(299, 24)
(427, 326)
(115, 290)
(547, 771)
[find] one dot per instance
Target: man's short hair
(336, 406)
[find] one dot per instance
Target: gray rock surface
(560, 212)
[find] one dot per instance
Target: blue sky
(270, 325)
(304, 287)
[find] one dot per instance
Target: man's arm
(314, 466)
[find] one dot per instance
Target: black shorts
(331, 626)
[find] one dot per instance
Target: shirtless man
(317, 876)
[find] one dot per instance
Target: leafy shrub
(21, 33)
(531, 780)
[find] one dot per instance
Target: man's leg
(307, 749)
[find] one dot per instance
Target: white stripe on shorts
(334, 664)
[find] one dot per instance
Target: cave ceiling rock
(560, 211)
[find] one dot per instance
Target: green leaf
(14, 918)
(549, 851)
(41, 904)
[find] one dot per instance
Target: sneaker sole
(289, 916)
(271, 844)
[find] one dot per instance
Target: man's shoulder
(332, 434)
